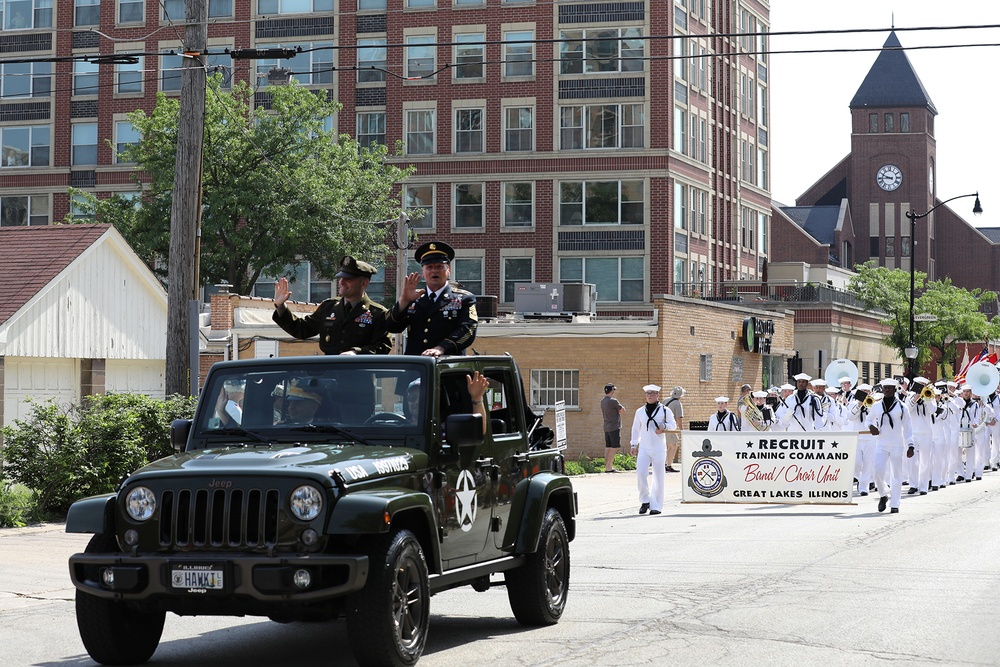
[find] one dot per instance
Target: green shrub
(64, 454)
(16, 505)
(586, 464)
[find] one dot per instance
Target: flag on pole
(982, 356)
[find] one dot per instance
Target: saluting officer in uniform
(440, 319)
(349, 323)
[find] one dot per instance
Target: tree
(277, 186)
(887, 291)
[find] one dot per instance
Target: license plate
(197, 577)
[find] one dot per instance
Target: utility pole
(185, 213)
(402, 243)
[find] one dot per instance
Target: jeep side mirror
(179, 431)
(464, 430)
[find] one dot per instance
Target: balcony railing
(768, 293)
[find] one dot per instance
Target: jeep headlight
(306, 503)
(140, 503)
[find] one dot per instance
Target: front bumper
(253, 576)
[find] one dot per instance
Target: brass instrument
(753, 414)
(928, 393)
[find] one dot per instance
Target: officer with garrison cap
(439, 319)
(350, 323)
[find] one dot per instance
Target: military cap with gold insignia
(434, 252)
(353, 268)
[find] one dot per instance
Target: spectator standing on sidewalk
(674, 439)
(612, 410)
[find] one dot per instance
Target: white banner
(761, 467)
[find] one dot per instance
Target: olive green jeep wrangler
(309, 488)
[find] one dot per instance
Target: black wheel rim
(409, 604)
(556, 567)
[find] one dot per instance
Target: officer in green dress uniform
(440, 319)
(350, 323)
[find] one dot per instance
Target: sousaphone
(984, 378)
(839, 368)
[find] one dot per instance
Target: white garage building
(80, 314)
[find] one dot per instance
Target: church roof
(820, 222)
(992, 233)
(892, 82)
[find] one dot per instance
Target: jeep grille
(219, 518)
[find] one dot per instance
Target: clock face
(889, 177)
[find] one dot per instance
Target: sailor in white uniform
(649, 446)
(922, 410)
(724, 420)
(801, 411)
(891, 424)
(857, 421)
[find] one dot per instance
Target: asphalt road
(699, 584)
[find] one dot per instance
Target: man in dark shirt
(350, 323)
(612, 411)
(439, 319)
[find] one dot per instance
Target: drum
(965, 437)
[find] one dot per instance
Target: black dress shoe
(652, 512)
(671, 469)
(882, 502)
(979, 479)
(923, 493)
(643, 508)
(912, 490)
(968, 480)
(894, 510)
(959, 479)
(871, 487)
(863, 493)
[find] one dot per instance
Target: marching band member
(954, 404)
(981, 436)
(833, 419)
(745, 399)
(922, 409)
(970, 417)
(890, 422)
(845, 389)
(649, 446)
(723, 420)
(857, 411)
(939, 440)
(818, 387)
(801, 411)
(767, 419)
(785, 391)
(993, 405)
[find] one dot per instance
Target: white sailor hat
(721, 399)
(889, 382)
(864, 386)
(786, 387)
(819, 382)
(760, 394)
(965, 386)
(921, 379)
(802, 376)
(843, 379)
(951, 383)
(833, 390)
(651, 387)
(937, 392)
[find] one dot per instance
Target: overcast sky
(810, 93)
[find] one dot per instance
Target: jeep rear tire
(388, 618)
(112, 633)
(537, 590)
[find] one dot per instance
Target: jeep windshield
(305, 400)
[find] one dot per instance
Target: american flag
(983, 355)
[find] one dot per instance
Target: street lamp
(911, 351)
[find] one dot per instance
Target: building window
(519, 53)
(30, 14)
(128, 77)
(469, 2)
(601, 50)
(762, 168)
(371, 4)
(680, 130)
(890, 246)
(371, 60)
(125, 135)
(705, 367)
(468, 205)
(25, 146)
(173, 10)
(468, 130)
(516, 270)
(872, 123)
(420, 132)
(601, 203)
(680, 205)
(904, 122)
(873, 246)
(84, 150)
(85, 78)
(86, 12)
(420, 197)
(307, 283)
(24, 210)
(315, 67)
(615, 278)
(419, 3)
(762, 223)
(171, 66)
(470, 52)
(904, 246)
(25, 80)
(602, 126)
(420, 56)
(469, 272)
(889, 123)
(371, 128)
(131, 11)
(518, 128)
(518, 206)
(548, 387)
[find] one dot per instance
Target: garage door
(135, 377)
(38, 379)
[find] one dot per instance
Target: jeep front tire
(537, 590)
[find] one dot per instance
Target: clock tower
(892, 163)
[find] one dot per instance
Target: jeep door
(509, 442)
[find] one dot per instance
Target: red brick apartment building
(619, 143)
